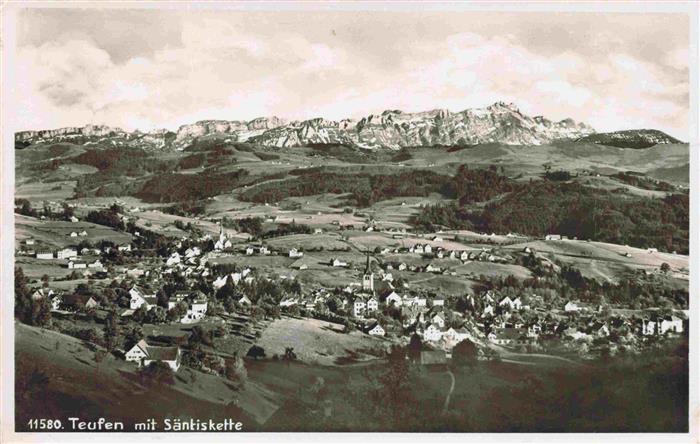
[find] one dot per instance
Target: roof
(433, 357)
(162, 353)
(508, 333)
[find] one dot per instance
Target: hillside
(638, 139)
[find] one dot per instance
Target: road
(449, 394)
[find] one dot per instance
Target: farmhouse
(335, 262)
(393, 298)
(66, 253)
(44, 255)
(295, 253)
(432, 333)
(376, 330)
(76, 302)
(72, 264)
(144, 354)
(372, 304)
(359, 307)
(140, 298)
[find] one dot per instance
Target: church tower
(368, 278)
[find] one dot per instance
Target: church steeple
(368, 277)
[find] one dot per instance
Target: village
(205, 280)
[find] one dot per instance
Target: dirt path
(449, 394)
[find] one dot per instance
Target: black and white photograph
(425, 218)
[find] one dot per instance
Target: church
(368, 278)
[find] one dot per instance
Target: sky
(148, 69)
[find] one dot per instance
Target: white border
(7, 100)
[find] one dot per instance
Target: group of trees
(29, 310)
(543, 207)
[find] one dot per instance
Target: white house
(393, 298)
(372, 304)
(96, 264)
(244, 301)
(488, 310)
(359, 307)
(338, 263)
(571, 306)
(144, 354)
(671, 324)
(173, 259)
(376, 330)
(82, 233)
(438, 302)
(432, 333)
(72, 264)
(44, 255)
(438, 320)
(73, 234)
(126, 247)
(295, 253)
(550, 237)
(66, 253)
(139, 298)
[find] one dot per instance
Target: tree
(414, 347)
(157, 373)
(465, 353)
(235, 369)
(256, 352)
(111, 331)
(665, 268)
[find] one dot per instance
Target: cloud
(243, 66)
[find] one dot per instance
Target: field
(319, 342)
(55, 234)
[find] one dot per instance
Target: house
(456, 335)
(82, 233)
(488, 311)
(652, 250)
(438, 302)
(671, 324)
(509, 336)
(96, 264)
(393, 298)
(338, 263)
(571, 306)
(648, 327)
(72, 264)
(173, 259)
(76, 302)
(249, 251)
(196, 310)
(432, 333)
(512, 304)
(66, 253)
(402, 267)
(432, 268)
(144, 354)
(44, 255)
(550, 237)
(295, 253)
(299, 265)
(359, 307)
(29, 242)
(74, 219)
(437, 239)
(140, 298)
(41, 294)
(438, 320)
(372, 304)
(245, 301)
(73, 234)
(318, 231)
(376, 330)
(56, 301)
(427, 249)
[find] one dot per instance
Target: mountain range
(392, 129)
